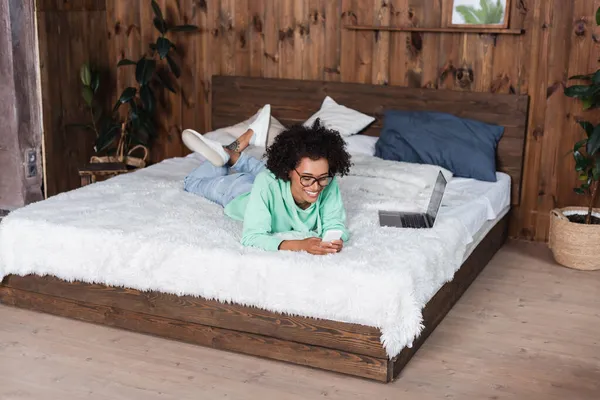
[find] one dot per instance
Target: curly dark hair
(315, 142)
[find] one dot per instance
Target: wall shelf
(439, 30)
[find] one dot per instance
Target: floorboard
(525, 329)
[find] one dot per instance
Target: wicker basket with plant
(575, 231)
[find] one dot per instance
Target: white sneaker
(261, 127)
(210, 149)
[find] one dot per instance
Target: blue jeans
(217, 185)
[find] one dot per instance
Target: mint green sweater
(270, 209)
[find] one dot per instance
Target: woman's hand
(337, 245)
(312, 245)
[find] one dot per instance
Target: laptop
(402, 219)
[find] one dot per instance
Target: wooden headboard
(237, 98)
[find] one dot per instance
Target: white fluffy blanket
(143, 231)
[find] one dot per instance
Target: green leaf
(598, 16)
(579, 144)
(174, 67)
(579, 91)
(140, 136)
(144, 70)
(585, 77)
(108, 134)
(134, 111)
(97, 114)
(164, 81)
(587, 126)
(125, 62)
(135, 120)
(579, 191)
(127, 95)
(184, 28)
(160, 24)
(95, 82)
(85, 74)
(157, 10)
(147, 98)
(163, 45)
(596, 78)
(596, 170)
(588, 102)
(581, 162)
(593, 143)
(88, 95)
(148, 125)
(585, 186)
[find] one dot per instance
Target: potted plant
(575, 231)
(117, 136)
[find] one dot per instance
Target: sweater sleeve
(258, 219)
(333, 213)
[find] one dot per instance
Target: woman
(295, 194)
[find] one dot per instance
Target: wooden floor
(526, 329)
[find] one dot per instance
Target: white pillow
(340, 118)
(275, 128)
(361, 144)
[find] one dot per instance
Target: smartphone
(331, 235)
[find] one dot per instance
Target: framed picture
(479, 13)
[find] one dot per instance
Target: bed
(136, 252)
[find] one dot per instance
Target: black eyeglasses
(308, 181)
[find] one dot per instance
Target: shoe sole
(263, 140)
(194, 141)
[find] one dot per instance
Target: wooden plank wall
(305, 39)
(70, 33)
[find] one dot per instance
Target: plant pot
(574, 245)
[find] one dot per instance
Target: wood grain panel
(256, 38)
(364, 42)
(286, 38)
(66, 42)
(558, 63)
(70, 5)
(348, 43)
(287, 41)
(333, 40)
(381, 47)
(224, 339)
(399, 43)
(203, 65)
(581, 43)
(342, 336)
(430, 45)
(271, 28)
(314, 41)
(293, 101)
(191, 88)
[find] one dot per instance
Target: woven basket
(574, 245)
(127, 159)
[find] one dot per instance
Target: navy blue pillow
(464, 146)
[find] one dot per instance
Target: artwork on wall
(480, 13)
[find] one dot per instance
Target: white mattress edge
(483, 231)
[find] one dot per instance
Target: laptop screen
(436, 197)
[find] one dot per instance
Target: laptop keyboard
(412, 221)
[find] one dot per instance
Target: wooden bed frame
(335, 346)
